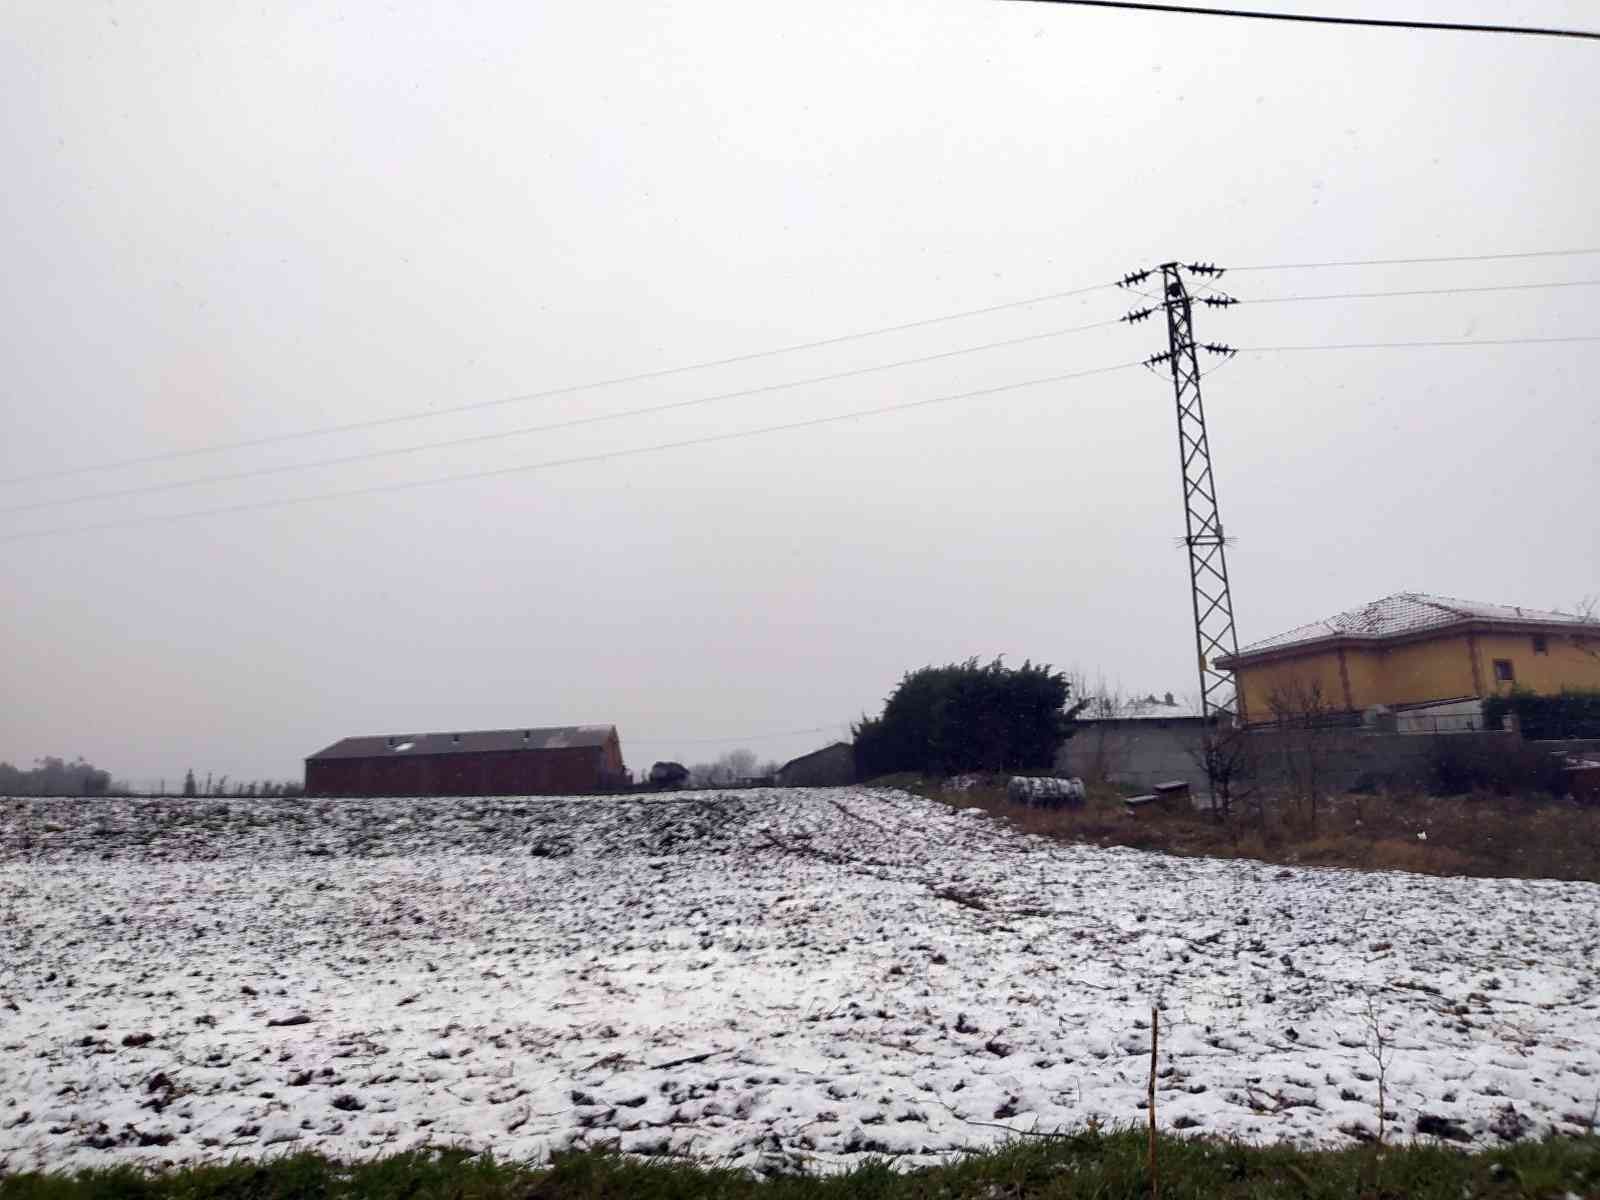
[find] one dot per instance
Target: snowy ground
(763, 976)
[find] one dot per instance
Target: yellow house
(1414, 649)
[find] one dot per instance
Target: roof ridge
(1402, 613)
(1436, 601)
(506, 729)
(526, 737)
(1435, 597)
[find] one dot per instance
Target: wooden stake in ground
(1155, 1039)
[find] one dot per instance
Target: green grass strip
(1107, 1166)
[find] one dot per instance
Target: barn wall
(832, 766)
(611, 758)
(567, 771)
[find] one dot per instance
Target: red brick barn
(491, 762)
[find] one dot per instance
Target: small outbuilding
(832, 766)
(568, 760)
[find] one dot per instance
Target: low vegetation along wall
(1352, 759)
(1141, 754)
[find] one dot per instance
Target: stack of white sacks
(1045, 793)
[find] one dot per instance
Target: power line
(602, 456)
(1459, 343)
(749, 737)
(737, 434)
(570, 423)
(665, 372)
(567, 390)
(1449, 291)
(1318, 19)
(1399, 262)
(713, 438)
(1519, 341)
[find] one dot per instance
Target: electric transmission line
(1445, 291)
(667, 372)
(748, 737)
(1460, 342)
(1227, 352)
(1320, 19)
(1401, 262)
(573, 460)
(547, 427)
(548, 393)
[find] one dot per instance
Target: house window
(1503, 672)
(1541, 644)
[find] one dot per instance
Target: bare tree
(1100, 745)
(734, 767)
(1227, 755)
(1588, 614)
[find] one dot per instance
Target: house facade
(1413, 649)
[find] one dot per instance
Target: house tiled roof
(410, 745)
(1407, 613)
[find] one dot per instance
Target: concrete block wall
(1141, 754)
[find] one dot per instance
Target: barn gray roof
(830, 748)
(478, 741)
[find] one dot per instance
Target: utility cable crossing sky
(756, 355)
(1214, 298)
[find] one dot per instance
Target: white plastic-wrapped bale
(1045, 793)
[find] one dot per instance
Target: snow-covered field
(763, 976)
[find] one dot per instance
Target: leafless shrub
(1100, 746)
(1380, 1048)
(1227, 755)
(1309, 740)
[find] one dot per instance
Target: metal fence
(1440, 723)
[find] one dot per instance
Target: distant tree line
(212, 786)
(969, 716)
(734, 767)
(54, 777)
(58, 777)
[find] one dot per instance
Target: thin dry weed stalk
(1155, 1042)
(1380, 1048)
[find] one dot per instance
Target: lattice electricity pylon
(1212, 599)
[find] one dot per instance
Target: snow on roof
(469, 741)
(1144, 710)
(1137, 709)
(1406, 613)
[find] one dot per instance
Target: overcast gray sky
(226, 222)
